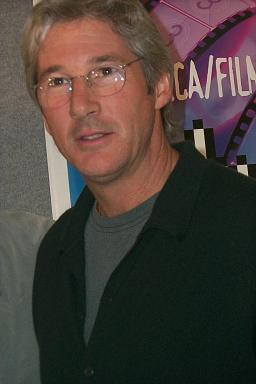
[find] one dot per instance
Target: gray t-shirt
(107, 241)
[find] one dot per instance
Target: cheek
(130, 113)
(56, 122)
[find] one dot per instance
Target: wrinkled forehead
(80, 40)
(83, 30)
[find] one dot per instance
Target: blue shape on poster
(76, 183)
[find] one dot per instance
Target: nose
(82, 100)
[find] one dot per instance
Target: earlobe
(163, 91)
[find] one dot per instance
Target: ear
(163, 91)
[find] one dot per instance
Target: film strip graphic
(230, 156)
(219, 31)
(242, 127)
(203, 138)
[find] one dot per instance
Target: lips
(92, 137)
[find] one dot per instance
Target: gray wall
(23, 168)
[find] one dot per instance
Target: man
(150, 278)
(20, 234)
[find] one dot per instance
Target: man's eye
(106, 71)
(57, 82)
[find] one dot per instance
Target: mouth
(93, 138)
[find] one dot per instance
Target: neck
(125, 193)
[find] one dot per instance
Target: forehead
(76, 42)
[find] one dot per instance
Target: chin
(101, 177)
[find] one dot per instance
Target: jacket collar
(78, 216)
(173, 208)
(175, 204)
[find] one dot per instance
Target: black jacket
(180, 307)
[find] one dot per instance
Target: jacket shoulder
(228, 180)
(56, 234)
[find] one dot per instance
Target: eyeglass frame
(87, 80)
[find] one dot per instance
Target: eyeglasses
(105, 80)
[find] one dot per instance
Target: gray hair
(128, 18)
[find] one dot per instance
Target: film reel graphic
(241, 123)
(231, 118)
(243, 126)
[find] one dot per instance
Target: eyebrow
(49, 70)
(93, 60)
(104, 58)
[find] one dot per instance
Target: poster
(215, 76)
